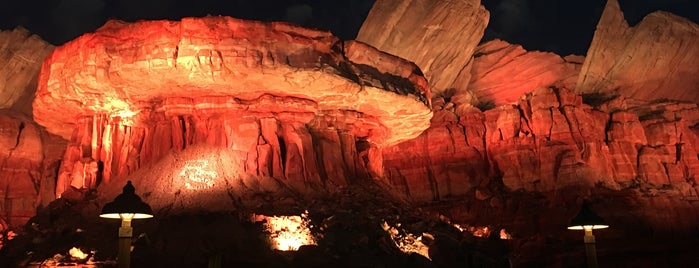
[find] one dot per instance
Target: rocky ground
(349, 227)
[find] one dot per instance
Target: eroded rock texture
(21, 55)
(550, 140)
(439, 36)
(28, 164)
(29, 156)
(290, 103)
(502, 73)
(655, 59)
(211, 115)
(218, 63)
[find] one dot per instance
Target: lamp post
(126, 206)
(588, 220)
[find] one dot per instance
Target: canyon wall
(210, 113)
(29, 155)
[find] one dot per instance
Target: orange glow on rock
(288, 232)
(77, 253)
(407, 242)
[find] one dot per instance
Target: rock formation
(28, 154)
(22, 55)
(653, 60)
(502, 73)
(550, 140)
(291, 102)
(213, 115)
(439, 36)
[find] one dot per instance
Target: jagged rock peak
(655, 59)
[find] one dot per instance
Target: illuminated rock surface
(28, 161)
(503, 72)
(22, 55)
(290, 103)
(220, 65)
(655, 59)
(28, 155)
(255, 143)
(439, 36)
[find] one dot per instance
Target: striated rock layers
(29, 156)
(549, 141)
(285, 103)
(206, 114)
(439, 36)
(29, 159)
(502, 73)
(22, 55)
(655, 59)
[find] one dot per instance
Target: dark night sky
(561, 26)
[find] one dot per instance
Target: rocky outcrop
(290, 103)
(28, 155)
(549, 141)
(439, 36)
(502, 73)
(653, 60)
(22, 55)
(223, 65)
(28, 161)
(213, 115)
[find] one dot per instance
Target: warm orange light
(477, 231)
(504, 235)
(407, 242)
(77, 253)
(288, 232)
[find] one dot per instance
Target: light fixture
(588, 220)
(126, 206)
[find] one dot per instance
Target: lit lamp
(126, 206)
(588, 220)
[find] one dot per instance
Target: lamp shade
(587, 219)
(127, 204)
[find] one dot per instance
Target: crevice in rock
(19, 134)
(548, 137)
(608, 128)
(678, 152)
(183, 128)
(522, 115)
(175, 55)
(433, 184)
(282, 151)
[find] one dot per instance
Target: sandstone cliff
(652, 60)
(439, 36)
(216, 114)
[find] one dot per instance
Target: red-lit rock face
(28, 160)
(235, 69)
(549, 140)
(289, 103)
(211, 115)
(503, 72)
